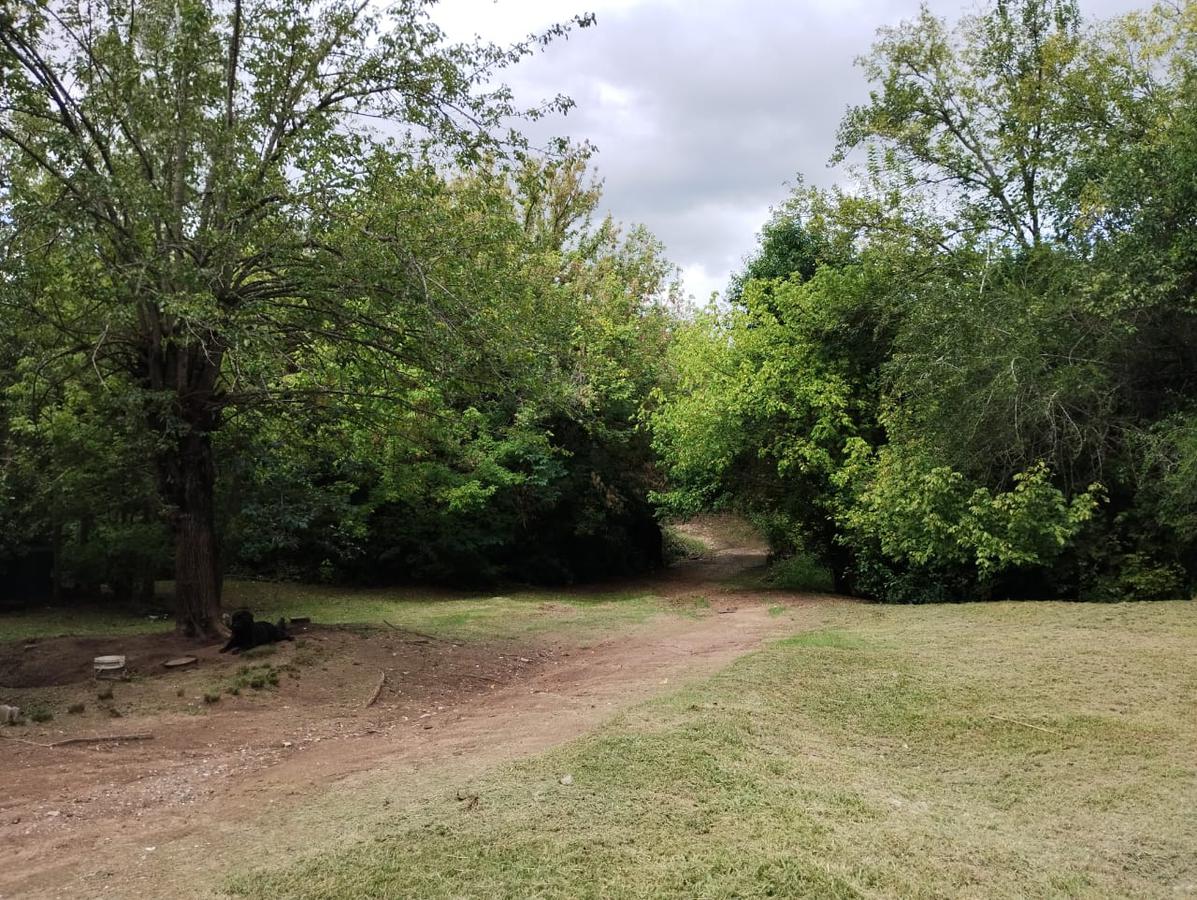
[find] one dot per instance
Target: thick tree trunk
(188, 373)
(191, 479)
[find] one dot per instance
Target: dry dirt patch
(273, 768)
(204, 747)
(245, 772)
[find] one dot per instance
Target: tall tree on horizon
(184, 212)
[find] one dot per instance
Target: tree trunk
(191, 478)
(185, 376)
(56, 564)
(840, 562)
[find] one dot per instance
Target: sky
(704, 112)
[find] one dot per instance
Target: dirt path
(307, 795)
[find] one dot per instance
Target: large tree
(188, 211)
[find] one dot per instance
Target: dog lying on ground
(248, 634)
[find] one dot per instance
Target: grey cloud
(726, 102)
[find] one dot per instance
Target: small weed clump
(255, 677)
(801, 572)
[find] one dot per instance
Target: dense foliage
(284, 295)
(247, 327)
(984, 383)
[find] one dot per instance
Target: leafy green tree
(532, 464)
(978, 115)
(187, 206)
(993, 392)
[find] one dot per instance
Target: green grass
(44, 622)
(799, 573)
(999, 750)
(256, 677)
(679, 545)
(467, 617)
(462, 617)
(794, 573)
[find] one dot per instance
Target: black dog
(247, 633)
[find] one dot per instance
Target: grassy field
(998, 750)
(460, 616)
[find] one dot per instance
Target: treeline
(525, 461)
(249, 330)
(974, 374)
(285, 294)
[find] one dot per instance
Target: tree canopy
(286, 293)
(224, 220)
(981, 380)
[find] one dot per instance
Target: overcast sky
(702, 110)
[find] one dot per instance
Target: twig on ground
(8, 737)
(103, 739)
(480, 677)
(1022, 723)
(382, 679)
(94, 739)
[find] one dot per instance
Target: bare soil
(282, 770)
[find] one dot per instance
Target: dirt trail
(314, 794)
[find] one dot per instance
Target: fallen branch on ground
(95, 739)
(377, 690)
(103, 739)
(8, 737)
(1022, 723)
(480, 677)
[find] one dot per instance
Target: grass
(794, 573)
(41, 622)
(679, 545)
(799, 573)
(462, 617)
(258, 677)
(997, 750)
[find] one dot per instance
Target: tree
(993, 393)
(977, 116)
(185, 208)
(536, 467)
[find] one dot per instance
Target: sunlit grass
(1031, 750)
(460, 616)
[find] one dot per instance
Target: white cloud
(702, 112)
